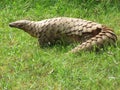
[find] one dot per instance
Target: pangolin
(87, 33)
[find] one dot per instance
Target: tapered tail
(105, 37)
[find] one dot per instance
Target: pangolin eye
(20, 25)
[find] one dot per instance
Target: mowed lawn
(24, 65)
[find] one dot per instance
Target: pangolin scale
(89, 34)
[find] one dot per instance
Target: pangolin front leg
(48, 31)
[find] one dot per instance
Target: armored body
(89, 34)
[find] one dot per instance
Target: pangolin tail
(105, 37)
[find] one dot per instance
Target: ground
(26, 66)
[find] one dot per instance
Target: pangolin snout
(11, 24)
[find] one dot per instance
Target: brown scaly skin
(48, 31)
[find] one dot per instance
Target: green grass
(26, 66)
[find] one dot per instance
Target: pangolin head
(19, 24)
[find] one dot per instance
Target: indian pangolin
(89, 34)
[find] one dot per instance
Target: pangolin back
(48, 31)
